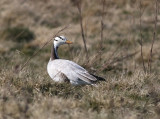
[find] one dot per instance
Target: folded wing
(74, 72)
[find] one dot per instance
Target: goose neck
(54, 54)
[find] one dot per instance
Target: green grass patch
(19, 34)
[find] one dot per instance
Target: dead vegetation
(122, 44)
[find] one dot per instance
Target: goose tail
(99, 78)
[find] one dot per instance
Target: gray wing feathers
(84, 78)
(88, 76)
(73, 71)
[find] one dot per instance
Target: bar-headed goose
(61, 70)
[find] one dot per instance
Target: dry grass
(128, 93)
(31, 95)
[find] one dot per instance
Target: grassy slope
(128, 92)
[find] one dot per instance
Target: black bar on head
(60, 37)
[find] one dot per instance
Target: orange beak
(68, 42)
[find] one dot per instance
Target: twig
(78, 3)
(154, 36)
(117, 60)
(94, 59)
(102, 24)
(108, 62)
(82, 31)
(18, 35)
(114, 52)
(141, 39)
(102, 29)
(36, 52)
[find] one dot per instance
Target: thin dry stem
(141, 39)
(102, 27)
(118, 59)
(36, 52)
(78, 5)
(102, 24)
(154, 36)
(111, 57)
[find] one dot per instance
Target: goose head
(60, 40)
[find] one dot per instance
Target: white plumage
(61, 70)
